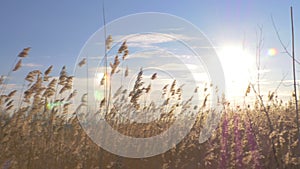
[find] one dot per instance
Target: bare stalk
(258, 55)
(286, 51)
(6, 79)
(105, 61)
(294, 73)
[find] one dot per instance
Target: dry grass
(38, 135)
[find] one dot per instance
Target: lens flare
(272, 52)
(103, 81)
(98, 95)
(51, 105)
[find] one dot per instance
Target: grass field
(37, 134)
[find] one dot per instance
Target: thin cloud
(262, 71)
(156, 38)
(32, 65)
(181, 67)
(173, 29)
(152, 38)
(159, 53)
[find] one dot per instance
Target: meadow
(40, 130)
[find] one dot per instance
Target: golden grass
(37, 135)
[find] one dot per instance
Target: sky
(58, 30)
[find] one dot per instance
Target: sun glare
(238, 65)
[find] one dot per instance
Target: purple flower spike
(224, 151)
(238, 143)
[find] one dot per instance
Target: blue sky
(57, 30)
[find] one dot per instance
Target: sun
(239, 67)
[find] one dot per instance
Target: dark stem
(294, 73)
